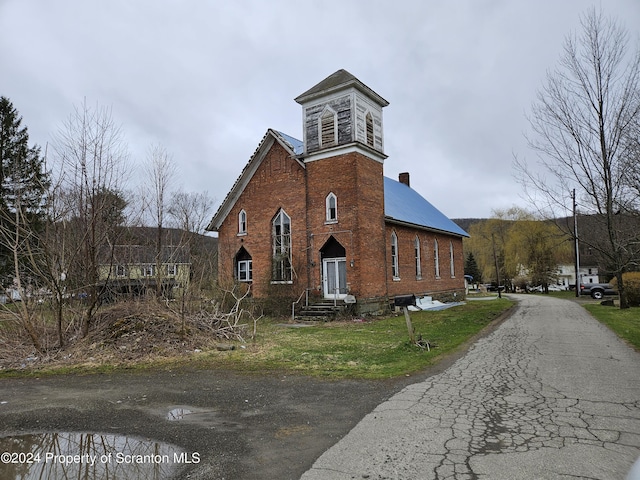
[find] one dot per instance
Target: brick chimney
(404, 178)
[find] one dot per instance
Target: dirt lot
(243, 427)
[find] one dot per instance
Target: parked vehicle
(597, 290)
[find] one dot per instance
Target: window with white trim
(395, 271)
(452, 267)
(242, 222)
(331, 207)
(148, 270)
(245, 270)
(121, 271)
(281, 234)
(172, 270)
(416, 247)
(243, 266)
(436, 258)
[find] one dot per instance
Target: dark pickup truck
(597, 290)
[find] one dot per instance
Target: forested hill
(465, 223)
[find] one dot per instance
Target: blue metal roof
(403, 204)
(298, 146)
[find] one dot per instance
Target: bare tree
(161, 170)
(91, 155)
(17, 238)
(581, 122)
(190, 213)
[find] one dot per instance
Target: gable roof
(292, 145)
(337, 81)
(404, 205)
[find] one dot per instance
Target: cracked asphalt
(550, 394)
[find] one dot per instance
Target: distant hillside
(465, 223)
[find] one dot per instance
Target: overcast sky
(205, 79)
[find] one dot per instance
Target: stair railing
(293, 305)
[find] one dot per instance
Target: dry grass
(122, 334)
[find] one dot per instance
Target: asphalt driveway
(240, 426)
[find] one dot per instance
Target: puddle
(178, 414)
(203, 417)
(88, 456)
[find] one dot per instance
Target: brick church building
(319, 215)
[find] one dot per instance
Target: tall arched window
(328, 130)
(452, 260)
(242, 222)
(281, 234)
(395, 271)
(369, 124)
(416, 246)
(331, 206)
(436, 258)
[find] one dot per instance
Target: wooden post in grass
(404, 301)
(412, 333)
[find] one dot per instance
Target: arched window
(331, 206)
(328, 130)
(281, 235)
(452, 266)
(242, 222)
(394, 256)
(416, 246)
(436, 258)
(244, 266)
(369, 125)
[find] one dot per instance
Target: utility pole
(575, 246)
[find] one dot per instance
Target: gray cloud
(206, 79)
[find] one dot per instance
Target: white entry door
(335, 277)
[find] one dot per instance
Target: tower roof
(340, 80)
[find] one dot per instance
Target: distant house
(567, 275)
(134, 270)
(318, 215)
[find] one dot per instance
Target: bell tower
(342, 114)
(344, 157)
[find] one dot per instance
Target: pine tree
(23, 184)
(471, 268)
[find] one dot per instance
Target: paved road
(551, 394)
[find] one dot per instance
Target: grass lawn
(625, 323)
(370, 349)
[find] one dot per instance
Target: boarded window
(369, 122)
(328, 129)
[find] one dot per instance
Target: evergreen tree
(23, 186)
(471, 268)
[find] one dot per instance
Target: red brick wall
(279, 182)
(357, 182)
(428, 284)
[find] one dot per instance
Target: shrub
(631, 287)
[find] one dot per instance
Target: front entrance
(335, 277)
(334, 269)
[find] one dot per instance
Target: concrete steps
(322, 310)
